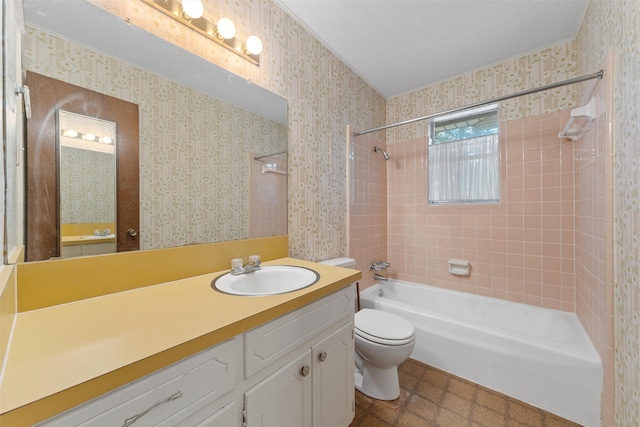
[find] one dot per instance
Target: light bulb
(254, 45)
(193, 8)
(106, 140)
(72, 133)
(226, 28)
(89, 137)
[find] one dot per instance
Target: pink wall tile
(593, 207)
(368, 229)
(516, 247)
(267, 198)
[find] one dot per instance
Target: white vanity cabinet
(162, 395)
(314, 350)
(333, 373)
(314, 389)
(282, 399)
(72, 251)
(296, 370)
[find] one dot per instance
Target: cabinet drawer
(158, 396)
(212, 415)
(266, 343)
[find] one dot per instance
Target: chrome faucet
(252, 265)
(379, 266)
(379, 277)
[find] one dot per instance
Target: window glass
(464, 157)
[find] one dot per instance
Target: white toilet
(383, 341)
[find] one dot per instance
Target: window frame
(454, 119)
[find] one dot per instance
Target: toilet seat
(383, 328)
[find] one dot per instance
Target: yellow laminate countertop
(86, 240)
(67, 354)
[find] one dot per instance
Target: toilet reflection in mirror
(87, 185)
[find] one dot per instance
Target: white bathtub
(536, 355)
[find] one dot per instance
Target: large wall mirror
(213, 147)
(87, 174)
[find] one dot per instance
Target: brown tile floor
(431, 397)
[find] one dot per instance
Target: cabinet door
(283, 399)
(333, 379)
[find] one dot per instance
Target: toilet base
(378, 383)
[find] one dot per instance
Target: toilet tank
(340, 262)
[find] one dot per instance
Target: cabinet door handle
(323, 356)
(305, 370)
(135, 418)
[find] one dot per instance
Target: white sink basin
(269, 280)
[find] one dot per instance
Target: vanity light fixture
(193, 8)
(226, 28)
(189, 13)
(72, 133)
(88, 137)
(254, 45)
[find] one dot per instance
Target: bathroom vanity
(295, 370)
(182, 353)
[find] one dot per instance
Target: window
(464, 157)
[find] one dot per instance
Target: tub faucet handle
(379, 265)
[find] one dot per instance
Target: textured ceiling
(401, 45)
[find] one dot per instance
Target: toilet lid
(380, 326)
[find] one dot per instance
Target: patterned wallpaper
(194, 174)
(87, 186)
(616, 24)
(537, 69)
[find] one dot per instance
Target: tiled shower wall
(521, 249)
(593, 159)
(607, 25)
(268, 196)
(367, 199)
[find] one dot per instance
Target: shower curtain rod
(597, 75)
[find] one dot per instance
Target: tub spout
(379, 277)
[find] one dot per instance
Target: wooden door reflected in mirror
(44, 211)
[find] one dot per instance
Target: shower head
(384, 153)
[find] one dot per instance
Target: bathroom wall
(268, 196)
(593, 158)
(323, 94)
(169, 214)
(367, 204)
(536, 69)
(511, 246)
(87, 173)
(615, 25)
(521, 249)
